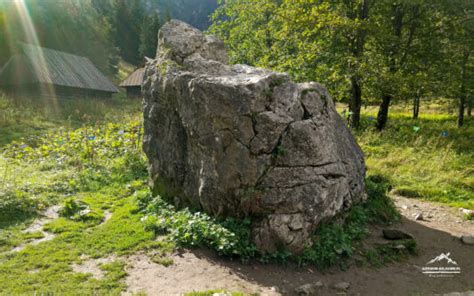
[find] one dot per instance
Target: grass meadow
(429, 158)
(85, 156)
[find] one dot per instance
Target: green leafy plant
(335, 243)
(71, 207)
(197, 229)
(16, 205)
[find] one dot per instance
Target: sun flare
(31, 37)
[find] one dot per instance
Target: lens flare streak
(31, 37)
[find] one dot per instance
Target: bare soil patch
(200, 270)
(92, 266)
(435, 215)
(47, 216)
(107, 216)
(191, 271)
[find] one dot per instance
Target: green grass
(428, 158)
(46, 267)
(333, 243)
(27, 118)
(98, 168)
(124, 70)
(86, 157)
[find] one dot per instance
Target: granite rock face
(239, 141)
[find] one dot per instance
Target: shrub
(70, 208)
(79, 211)
(16, 205)
(229, 237)
(333, 243)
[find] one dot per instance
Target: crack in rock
(242, 141)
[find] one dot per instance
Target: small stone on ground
(419, 216)
(308, 289)
(342, 286)
(467, 239)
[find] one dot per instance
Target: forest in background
(76, 211)
(105, 31)
(364, 51)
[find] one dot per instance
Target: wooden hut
(133, 83)
(37, 71)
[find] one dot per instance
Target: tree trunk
(462, 103)
(469, 108)
(416, 107)
(356, 103)
(358, 50)
(462, 95)
(382, 116)
(397, 25)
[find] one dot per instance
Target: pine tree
(149, 35)
(127, 21)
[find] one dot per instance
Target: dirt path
(435, 215)
(438, 233)
(191, 271)
(37, 226)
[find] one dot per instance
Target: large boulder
(239, 141)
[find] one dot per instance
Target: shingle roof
(134, 79)
(60, 68)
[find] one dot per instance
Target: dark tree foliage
(4, 48)
(127, 22)
(72, 26)
(102, 30)
(364, 51)
(149, 35)
(460, 55)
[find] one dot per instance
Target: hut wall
(134, 91)
(62, 92)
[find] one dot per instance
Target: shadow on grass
(11, 221)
